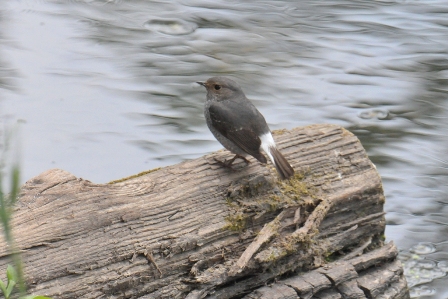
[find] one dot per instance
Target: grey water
(105, 89)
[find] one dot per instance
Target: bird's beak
(201, 83)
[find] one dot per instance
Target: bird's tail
(284, 169)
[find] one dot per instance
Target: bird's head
(222, 88)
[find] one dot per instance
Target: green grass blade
(3, 287)
(11, 273)
(15, 185)
(9, 288)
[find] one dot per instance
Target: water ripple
(170, 26)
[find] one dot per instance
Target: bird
(238, 125)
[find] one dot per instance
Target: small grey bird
(239, 126)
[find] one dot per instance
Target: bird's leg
(228, 163)
(242, 158)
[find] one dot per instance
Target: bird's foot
(224, 163)
(229, 163)
(242, 158)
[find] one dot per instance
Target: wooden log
(197, 230)
(376, 274)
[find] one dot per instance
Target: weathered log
(197, 230)
(376, 274)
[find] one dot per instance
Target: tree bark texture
(199, 230)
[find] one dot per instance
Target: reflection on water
(106, 89)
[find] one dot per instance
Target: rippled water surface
(105, 89)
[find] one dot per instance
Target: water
(105, 89)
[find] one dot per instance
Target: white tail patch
(268, 142)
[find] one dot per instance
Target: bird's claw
(229, 163)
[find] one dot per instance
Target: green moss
(279, 132)
(272, 257)
(250, 200)
(329, 258)
(259, 196)
(275, 255)
(290, 243)
(231, 203)
(236, 222)
(296, 188)
(134, 176)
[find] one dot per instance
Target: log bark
(197, 230)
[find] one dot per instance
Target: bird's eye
(217, 87)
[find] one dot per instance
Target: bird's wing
(233, 124)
